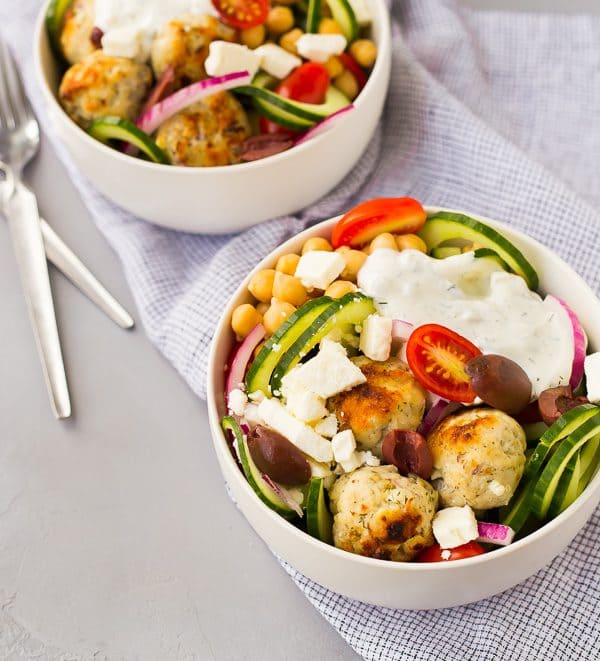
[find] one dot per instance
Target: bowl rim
(381, 16)
(222, 449)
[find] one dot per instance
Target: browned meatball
(76, 35)
(390, 399)
(102, 86)
(208, 133)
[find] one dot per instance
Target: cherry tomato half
(434, 553)
(242, 14)
(437, 357)
(401, 215)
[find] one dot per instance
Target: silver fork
(19, 142)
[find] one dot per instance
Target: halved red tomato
(242, 14)
(436, 553)
(401, 215)
(437, 357)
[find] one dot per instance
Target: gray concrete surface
(117, 539)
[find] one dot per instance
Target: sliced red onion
(440, 410)
(401, 330)
(242, 357)
(187, 96)
(324, 125)
(283, 494)
(495, 533)
(579, 343)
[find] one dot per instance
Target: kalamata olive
(499, 382)
(408, 451)
(553, 402)
(96, 37)
(277, 457)
(268, 144)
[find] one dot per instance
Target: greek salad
(402, 390)
(210, 82)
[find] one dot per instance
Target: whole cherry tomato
(435, 553)
(437, 357)
(242, 14)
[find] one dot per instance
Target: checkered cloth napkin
(493, 112)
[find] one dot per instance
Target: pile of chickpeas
(280, 27)
(279, 293)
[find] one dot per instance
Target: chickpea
(383, 240)
(347, 84)
(276, 315)
(261, 285)
(280, 20)
(317, 243)
(334, 67)
(330, 26)
(364, 52)
(289, 289)
(253, 37)
(262, 308)
(354, 260)
(339, 288)
(289, 39)
(410, 242)
(244, 319)
(287, 263)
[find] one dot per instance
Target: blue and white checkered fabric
(497, 113)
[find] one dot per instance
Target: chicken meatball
(381, 514)
(210, 132)
(390, 398)
(101, 86)
(183, 44)
(478, 458)
(76, 35)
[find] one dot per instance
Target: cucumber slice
(441, 252)
(252, 473)
(566, 490)
(55, 16)
(319, 521)
(115, 128)
(564, 426)
(343, 315)
(342, 12)
(445, 225)
(590, 458)
(313, 16)
(547, 483)
(488, 253)
(262, 366)
(534, 432)
(516, 513)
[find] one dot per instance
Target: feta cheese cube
(328, 426)
(320, 47)
(343, 445)
(251, 415)
(319, 469)
(317, 269)
(276, 61)
(236, 401)
(304, 404)
(305, 438)
(376, 337)
(330, 371)
(361, 12)
(454, 526)
(125, 42)
(224, 57)
(350, 464)
(591, 368)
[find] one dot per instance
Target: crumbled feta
(376, 337)
(276, 61)
(295, 494)
(236, 401)
(304, 404)
(225, 57)
(367, 458)
(305, 438)
(256, 396)
(351, 464)
(343, 445)
(317, 269)
(320, 47)
(328, 426)
(361, 12)
(454, 526)
(496, 488)
(591, 367)
(445, 554)
(125, 42)
(330, 371)
(318, 468)
(251, 415)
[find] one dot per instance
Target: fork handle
(23, 220)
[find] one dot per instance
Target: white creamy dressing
(130, 25)
(474, 297)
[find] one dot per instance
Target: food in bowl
(402, 390)
(203, 84)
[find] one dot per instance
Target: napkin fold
(494, 112)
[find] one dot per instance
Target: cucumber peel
(319, 521)
(313, 16)
(116, 128)
(342, 12)
(55, 17)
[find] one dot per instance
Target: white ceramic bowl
(408, 585)
(215, 200)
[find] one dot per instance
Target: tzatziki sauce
(474, 297)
